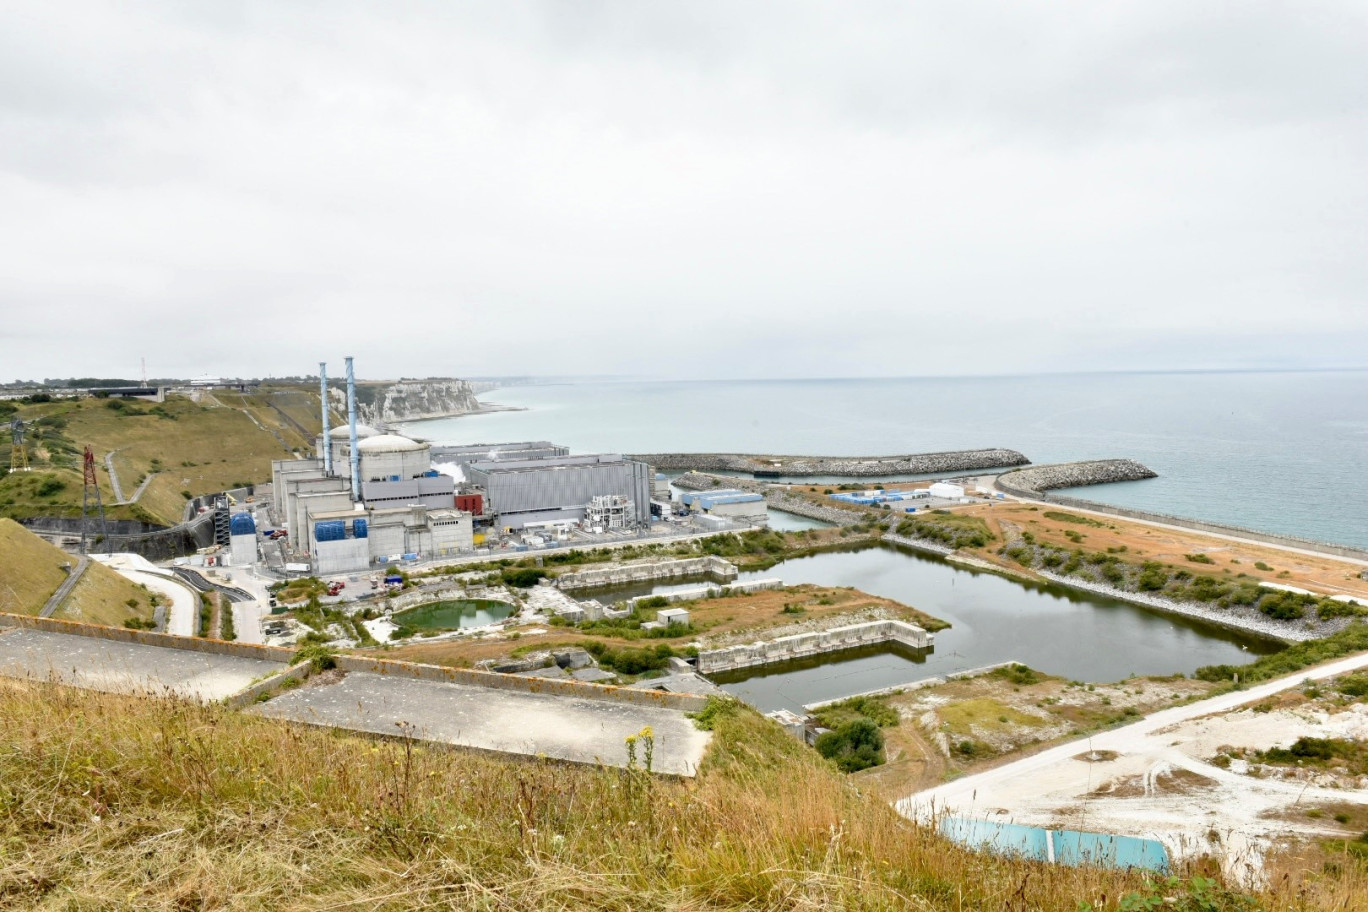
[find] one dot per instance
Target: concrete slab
(564, 728)
(115, 667)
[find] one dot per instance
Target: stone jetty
(839, 466)
(1032, 482)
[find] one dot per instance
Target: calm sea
(1285, 452)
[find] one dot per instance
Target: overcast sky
(732, 189)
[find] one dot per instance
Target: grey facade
(434, 492)
(498, 452)
(559, 487)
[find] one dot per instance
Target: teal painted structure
(1070, 847)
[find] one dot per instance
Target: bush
(854, 746)
(1199, 559)
(317, 655)
(524, 578)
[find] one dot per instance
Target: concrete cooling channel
(569, 721)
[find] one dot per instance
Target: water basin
(453, 615)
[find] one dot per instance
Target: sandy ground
(1171, 544)
(1152, 779)
(247, 621)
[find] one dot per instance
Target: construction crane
(18, 455)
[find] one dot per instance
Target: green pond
(453, 614)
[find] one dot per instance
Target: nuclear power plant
(368, 498)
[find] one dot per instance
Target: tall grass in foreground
(113, 802)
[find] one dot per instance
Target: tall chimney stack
(351, 420)
(323, 398)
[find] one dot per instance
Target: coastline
(1244, 620)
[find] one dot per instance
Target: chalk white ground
(1164, 788)
(183, 609)
(247, 621)
(114, 667)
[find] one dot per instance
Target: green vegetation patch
(856, 745)
(875, 709)
(1351, 639)
(956, 530)
(1060, 516)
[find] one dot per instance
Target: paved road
(64, 590)
(247, 621)
(963, 793)
(113, 477)
(566, 728)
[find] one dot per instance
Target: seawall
(809, 644)
(1032, 482)
(854, 466)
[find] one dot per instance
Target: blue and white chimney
(351, 421)
(323, 398)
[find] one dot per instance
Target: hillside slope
(175, 805)
(188, 447)
(31, 570)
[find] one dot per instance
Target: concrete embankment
(853, 466)
(1036, 480)
(815, 643)
(712, 590)
(775, 496)
(646, 571)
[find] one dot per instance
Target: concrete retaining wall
(269, 686)
(617, 574)
(147, 638)
(710, 591)
(808, 644)
(580, 689)
(496, 681)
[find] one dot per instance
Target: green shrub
(854, 746)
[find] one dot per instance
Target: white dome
(389, 443)
(344, 432)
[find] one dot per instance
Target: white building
(947, 491)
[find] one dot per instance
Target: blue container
(359, 528)
(242, 524)
(330, 530)
(410, 557)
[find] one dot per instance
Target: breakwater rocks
(1247, 620)
(1034, 481)
(854, 466)
(775, 496)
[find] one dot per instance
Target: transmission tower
(92, 489)
(18, 455)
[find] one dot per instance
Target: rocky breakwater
(380, 404)
(838, 466)
(1032, 483)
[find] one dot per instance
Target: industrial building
(564, 488)
(495, 452)
(366, 498)
(743, 505)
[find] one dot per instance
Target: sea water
(1285, 452)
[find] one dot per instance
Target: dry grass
(194, 447)
(101, 597)
(30, 569)
(120, 802)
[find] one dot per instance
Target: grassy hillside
(30, 569)
(119, 802)
(191, 447)
(105, 597)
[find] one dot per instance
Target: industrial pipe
(351, 420)
(323, 398)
